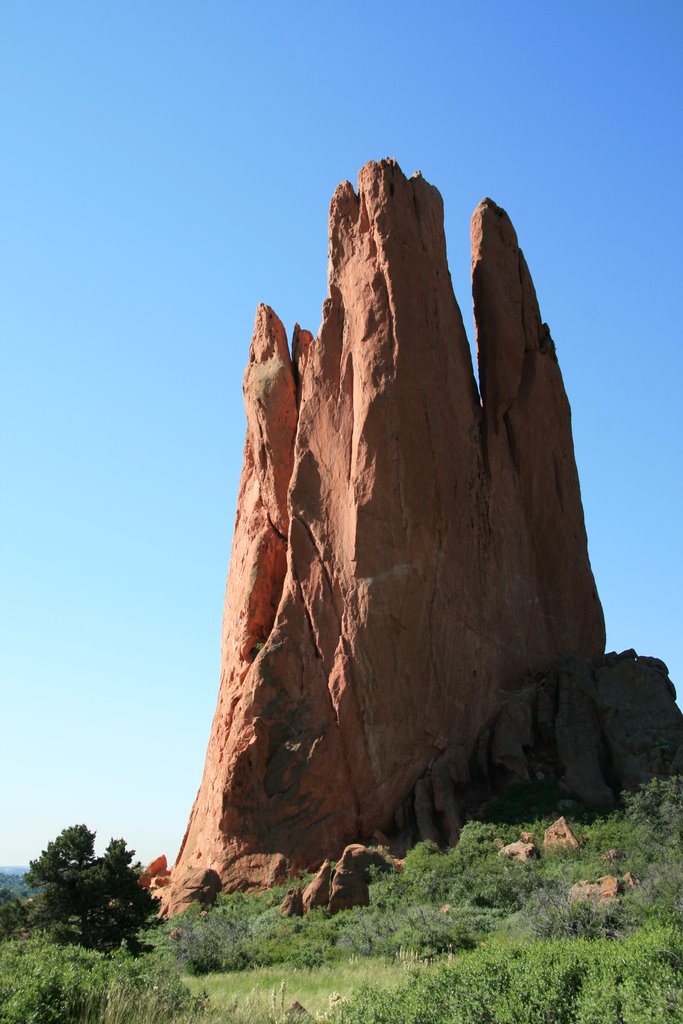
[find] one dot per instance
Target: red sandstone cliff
(408, 547)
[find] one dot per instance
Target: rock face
(408, 549)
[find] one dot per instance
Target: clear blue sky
(166, 166)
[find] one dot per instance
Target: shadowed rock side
(602, 726)
(404, 553)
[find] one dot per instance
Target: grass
(498, 934)
(124, 1006)
(266, 992)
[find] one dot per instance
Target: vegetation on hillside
(12, 885)
(475, 936)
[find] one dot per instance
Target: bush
(638, 981)
(658, 808)
(44, 983)
(550, 914)
(13, 918)
(444, 901)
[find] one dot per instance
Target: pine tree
(95, 902)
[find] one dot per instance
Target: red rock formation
(159, 866)
(405, 552)
(519, 851)
(155, 874)
(293, 904)
(317, 893)
(603, 890)
(352, 876)
(560, 836)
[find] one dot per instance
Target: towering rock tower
(409, 546)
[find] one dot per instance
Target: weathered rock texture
(603, 890)
(317, 893)
(408, 549)
(519, 851)
(293, 904)
(350, 883)
(560, 836)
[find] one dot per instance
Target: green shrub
(658, 808)
(550, 914)
(638, 981)
(443, 901)
(13, 918)
(45, 983)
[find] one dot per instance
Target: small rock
(519, 851)
(630, 880)
(197, 886)
(159, 866)
(560, 836)
(601, 891)
(296, 1010)
(612, 855)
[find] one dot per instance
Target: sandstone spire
(404, 554)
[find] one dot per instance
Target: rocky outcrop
(602, 726)
(352, 876)
(317, 893)
(199, 886)
(293, 904)
(603, 890)
(521, 850)
(156, 875)
(409, 548)
(560, 836)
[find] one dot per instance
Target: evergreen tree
(95, 902)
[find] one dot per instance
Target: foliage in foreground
(265, 993)
(635, 981)
(504, 928)
(45, 983)
(638, 980)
